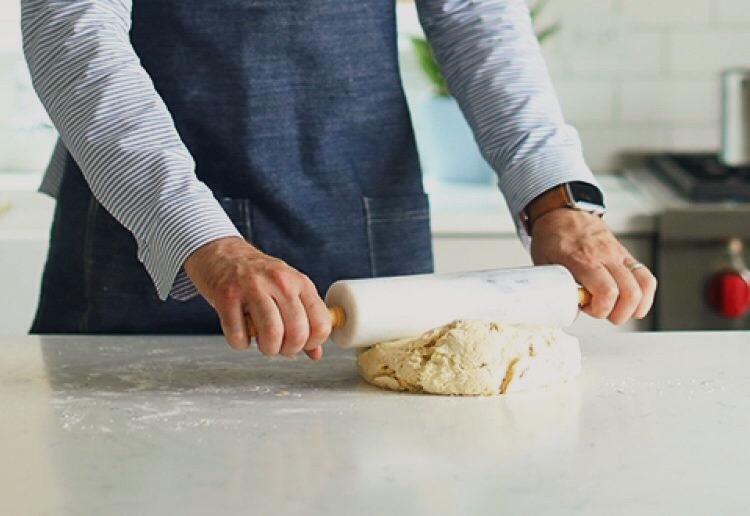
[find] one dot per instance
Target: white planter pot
(447, 149)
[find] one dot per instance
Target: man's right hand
(240, 283)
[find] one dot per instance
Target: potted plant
(447, 147)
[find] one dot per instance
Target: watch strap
(576, 195)
(554, 198)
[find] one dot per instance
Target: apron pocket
(399, 236)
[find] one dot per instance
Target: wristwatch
(576, 195)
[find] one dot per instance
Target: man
(254, 151)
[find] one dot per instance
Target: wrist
(565, 220)
(576, 196)
(219, 245)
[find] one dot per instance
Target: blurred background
(633, 75)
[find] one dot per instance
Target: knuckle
(254, 286)
(630, 294)
(276, 266)
(274, 333)
(283, 281)
(307, 282)
(608, 294)
(647, 283)
(227, 295)
(320, 329)
(584, 258)
(277, 274)
(295, 337)
(269, 340)
(604, 247)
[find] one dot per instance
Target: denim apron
(295, 115)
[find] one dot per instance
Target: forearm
(491, 60)
(119, 131)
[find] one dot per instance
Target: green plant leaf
(429, 65)
(537, 7)
(548, 32)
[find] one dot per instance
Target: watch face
(585, 193)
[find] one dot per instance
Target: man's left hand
(583, 243)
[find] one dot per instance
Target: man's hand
(241, 282)
(582, 242)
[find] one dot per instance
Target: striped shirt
(117, 128)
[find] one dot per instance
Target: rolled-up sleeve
(492, 62)
(119, 131)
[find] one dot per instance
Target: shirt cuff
(176, 231)
(526, 180)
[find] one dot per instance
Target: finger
(318, 316)
(315, 354)
(296, 324)
(228, 306)
(602, 286)
(233, 327)
(269, 326)
(648, 283)
(629, 293)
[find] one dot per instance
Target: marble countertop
(656, 424)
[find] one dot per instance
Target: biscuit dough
(470, 357)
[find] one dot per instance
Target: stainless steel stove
(703, 178)
(703, 247)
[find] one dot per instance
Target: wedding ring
(635, 266)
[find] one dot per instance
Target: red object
(728, 293)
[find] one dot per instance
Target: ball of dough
(470, 357)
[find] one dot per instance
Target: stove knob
(728, 293)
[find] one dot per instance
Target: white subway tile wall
(637, 75)
(668, 100)
(733, 11)
(10, 29)
(664, 12)
(707, 50)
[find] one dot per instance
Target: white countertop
(656, 424)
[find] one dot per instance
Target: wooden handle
(584, 297)
(338, 318)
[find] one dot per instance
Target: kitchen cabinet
(656, 424)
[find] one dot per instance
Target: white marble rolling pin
(367, 311)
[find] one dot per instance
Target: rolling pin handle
(338, 316)
(584, 297)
